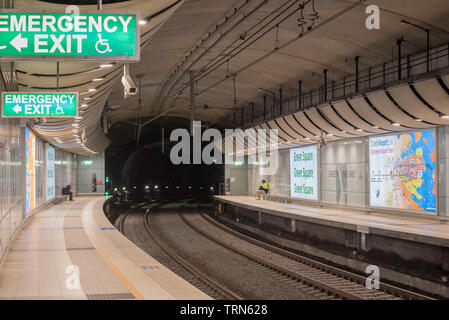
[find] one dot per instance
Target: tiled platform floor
(44, 259)
(74, 243)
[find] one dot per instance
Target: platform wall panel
(343, 173)
(12, 178)
(11, 201)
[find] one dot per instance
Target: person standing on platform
(263, 190)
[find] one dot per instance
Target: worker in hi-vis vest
(263, 189)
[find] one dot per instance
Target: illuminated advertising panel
(403, 171)
(303, 173)
(30, 174)
(50, 168)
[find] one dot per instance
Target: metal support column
(192, 100)
(356, 60)
(265, 107)
(369, 77)
(299, 94)
(252, 112)
(333, 89)
(399, 44)
(408, 66)
(428, 49)
(57, 76)
(100, 4)
(325, 84)
(280, 100)
(163, 141)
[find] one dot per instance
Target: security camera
(128, 83)
(129, 86)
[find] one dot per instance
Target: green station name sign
(39, 105)
(66, 36)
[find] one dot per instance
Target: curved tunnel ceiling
(413, 106)
(195, 34)
(202, 32)
(93, 82)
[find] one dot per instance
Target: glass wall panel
(343, 176)
(11, 203)
(279, 182)
(413, 170)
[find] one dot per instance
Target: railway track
(192, 274)
(324, 280)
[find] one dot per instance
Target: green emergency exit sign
(39, 105)
(109, 35)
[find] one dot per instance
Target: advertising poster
(303, 173)
(403, 171)
(30, 174)
(50, 173)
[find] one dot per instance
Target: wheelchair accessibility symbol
(59, 110)
(102, 44)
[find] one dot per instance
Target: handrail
(369, 78)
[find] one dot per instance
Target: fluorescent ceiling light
(106, 65)
(143, 22)
(98, 79)
(92, 90)
(396, 124)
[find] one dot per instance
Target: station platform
(71, 251)
(432, 230)
(412, 251)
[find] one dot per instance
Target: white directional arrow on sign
(17, 108)
(19, 42)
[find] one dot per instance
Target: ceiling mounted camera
(130, 88)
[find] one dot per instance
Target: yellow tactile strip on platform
(97, 280)
(44, 255)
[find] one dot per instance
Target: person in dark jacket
(68, 191)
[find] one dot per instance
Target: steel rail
(217, 287)
(400, 292)
(345, 293)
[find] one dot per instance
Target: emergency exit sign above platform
(39, 105)
(109, 35)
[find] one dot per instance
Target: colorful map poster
(30, 173)
(303, 173)
(403, 171)
(50, 168)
